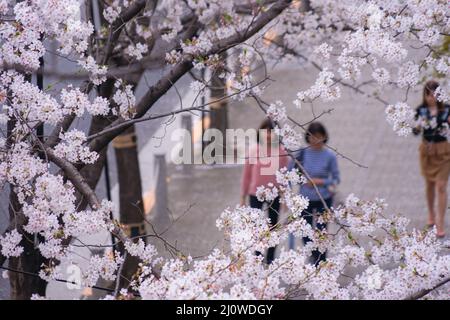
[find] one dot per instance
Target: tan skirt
(435, 160)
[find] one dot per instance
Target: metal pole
(108, 195)
(160, 215)
(203, 102)
(188, 146)
(40, 84)
(107, 181)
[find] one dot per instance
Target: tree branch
(424, 292)
(167, 81)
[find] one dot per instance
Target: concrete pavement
(357, 128)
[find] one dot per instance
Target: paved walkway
(357, 129)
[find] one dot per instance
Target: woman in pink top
(259, 170)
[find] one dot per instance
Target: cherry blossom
(71, 148)
(125, 100)
(137, 50)
(351, 45)
(401, 116)
(111, 13)
(10, 244)
(139, 249)
(102, 266)
(97, 72)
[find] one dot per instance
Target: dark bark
(131, 206)
(23, 286)
(130, 195)
(167, 80)
(92, 173)
(219, 111)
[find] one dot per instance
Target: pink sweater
(259, 169)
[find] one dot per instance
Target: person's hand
(316, 181)
(242, 202)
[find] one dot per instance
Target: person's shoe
(440, 235)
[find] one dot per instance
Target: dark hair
(430, 88)
(267, 124)
(316, 128)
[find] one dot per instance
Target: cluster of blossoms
(277, 112)
(112, 12)
(408, 74)
(348, 37)
(196, 46)
(124, 99)
(268, 193)
(48, 203)
(51, 199)
(21, 175)
(401, 116)
(198, 88)
(87, 222)
(10, 244)
(173, 57)
(242, 86)
(286, 177)
(144, 31)
(296, 204)
(381, 76)
(208, 10)
(71, 148)
(172, 19)
(104, 267)
(246, 227)
(240, 80)
(60, 20)
(382, 35)
(137, 50)
(27, 101)
(52, 249)
(323, 50)
(324, 88)
(290, 137)
(77, 102)
(97, 73)
(141, 250)
(390, 267)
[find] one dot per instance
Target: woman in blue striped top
(321, 165)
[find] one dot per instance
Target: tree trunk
(219, 110)
(130, 195)
(30, 261)
(23, 286)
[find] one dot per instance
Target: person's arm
(448, 119)
(245, 181)
(291, 163)
(334, 178)
(284, 159)
(417, 129)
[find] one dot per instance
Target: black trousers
(274, 208)
(315, 208)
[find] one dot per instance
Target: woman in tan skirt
(433, 119)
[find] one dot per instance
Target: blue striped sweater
(320, 164)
